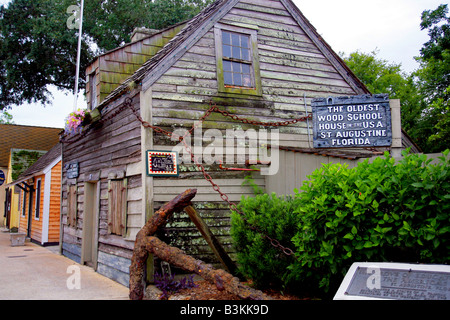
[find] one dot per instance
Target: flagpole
(77, 75)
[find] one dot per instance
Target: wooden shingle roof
(25, 137)
(198, 26)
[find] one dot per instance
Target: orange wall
(55, 207)
(36, 224)
(54, 214)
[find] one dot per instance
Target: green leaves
(38, 50)
(378, 211)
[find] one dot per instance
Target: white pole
(77, 75)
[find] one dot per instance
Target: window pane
(247, 80)
(245, 68)
(236, 67)
(244, 42)
(226, 51)
(226, 65)
(226, 37)
(237, 79)
(235, 40)
(236, 53)
(228, 78)
(245, 54)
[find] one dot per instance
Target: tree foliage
(37, 49)
(6, 118)
(434, 75)
(381, 210)
(424, 93)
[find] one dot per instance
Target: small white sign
(395, 281)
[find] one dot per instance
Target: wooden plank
(212, 241)
(202, 190)
(194, 183)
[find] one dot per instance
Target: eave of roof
(40, 166)
(199, 25)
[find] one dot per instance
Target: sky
(390, 26)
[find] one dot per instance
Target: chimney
(140, 33)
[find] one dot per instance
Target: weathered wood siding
(110, 150)
(294, 169)
(291, 68)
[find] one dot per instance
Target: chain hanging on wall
(213, 108)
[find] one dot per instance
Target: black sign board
(352, 121)
(162, 163)
(72, 170)
(2, 177)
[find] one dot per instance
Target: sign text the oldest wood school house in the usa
(353, 121)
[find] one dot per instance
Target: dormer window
(237, 63)
(237, 60)
(92, 91)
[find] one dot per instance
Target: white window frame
(37, 207)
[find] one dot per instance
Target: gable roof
(41, 164)
(25, 137)
(202, 23)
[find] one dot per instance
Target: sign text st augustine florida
(354, 121)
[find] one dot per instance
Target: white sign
(395, 281)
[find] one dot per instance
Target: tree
(434, 76)
(6, 118)
(381, 76)
(38, 50)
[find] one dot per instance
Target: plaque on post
(352, 121)
(162, 163)
(395, 281)
(72, 170)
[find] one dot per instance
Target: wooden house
(20, 147)
(260, 60)
(40, 198)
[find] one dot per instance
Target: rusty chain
(233, 207)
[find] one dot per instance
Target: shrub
(377, 211)
(257, 258)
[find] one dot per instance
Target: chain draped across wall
(213, 108)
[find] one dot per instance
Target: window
(117, 203)
(37, 203)
(24, 203)
(93, 90)
(237, 60)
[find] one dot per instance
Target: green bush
(257, 258)
(377, 211)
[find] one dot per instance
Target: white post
(396, 149)
(77, 75)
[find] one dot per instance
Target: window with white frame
(37, 202)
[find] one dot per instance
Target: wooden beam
(212, 241)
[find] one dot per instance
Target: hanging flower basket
(77, 120)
